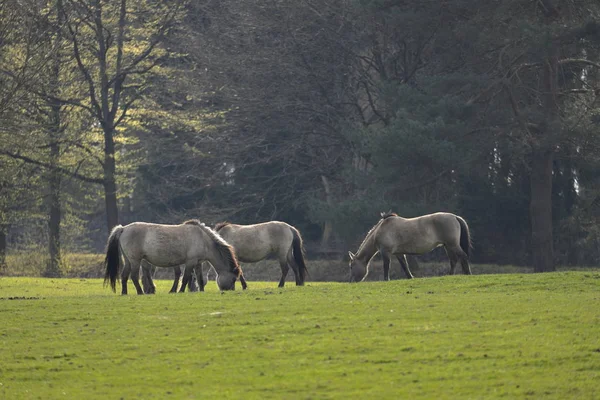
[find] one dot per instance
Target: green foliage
(320, 114)
(426, 338)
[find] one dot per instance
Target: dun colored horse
(253, 243)
(397, 236)
(168, 246)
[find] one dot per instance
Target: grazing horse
(167, 246)
(253, 243)
(397, 236)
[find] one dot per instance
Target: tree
(467, 92)
(115, 45)
(544, 81)
(20, 41)
(275, 87)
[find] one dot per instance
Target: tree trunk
(54, 217)
(53, 198)
(540, 211)
(110, 184)
(542, 164)
(54, 178)
(126, 211)
(3, 234)
(328, 227)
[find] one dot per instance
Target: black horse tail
(465, 236)
(298, 253)
(111, 262)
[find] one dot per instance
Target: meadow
(482, 336)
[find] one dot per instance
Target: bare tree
(115, 45)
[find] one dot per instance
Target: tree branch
(64, 171)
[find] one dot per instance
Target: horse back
(162, 244)
(255, 242)
(418, 235)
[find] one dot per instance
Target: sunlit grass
(486, 336)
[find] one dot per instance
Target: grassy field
(483, 336)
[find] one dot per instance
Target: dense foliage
(322, 113)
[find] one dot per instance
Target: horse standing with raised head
(397, 236)
(168, 246)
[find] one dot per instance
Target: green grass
(484, 336)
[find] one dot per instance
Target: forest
(319, 113)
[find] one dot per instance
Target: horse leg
(187, 276)
(175, 286)
(386, 266)
(125, 275)
(404, 264)
(191, 279)
(147, 282)
(464, 262)
(297, 275)
(135, 276)
(296, 272)
(195, 279)
(295, 268)
(452, 255)
(284, 271)
(193, 283)
(199, 277)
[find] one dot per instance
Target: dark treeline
(320, 113)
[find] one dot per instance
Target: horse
(167, 246)
(397, 236)
(253, 243)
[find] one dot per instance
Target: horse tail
(111, 262)
(298, 253)
(465, 236)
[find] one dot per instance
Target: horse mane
(193, 222)
(220, 225)
(224, 248)
(388, 214)
(384, 216)
(368, 235)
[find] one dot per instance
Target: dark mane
(225, 249)
(220, 225)
(388, 214)
(192, 222)
(229, 255)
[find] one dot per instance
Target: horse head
(226, 281)
(358, 268)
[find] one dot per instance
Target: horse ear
(351, 255)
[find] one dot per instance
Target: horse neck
(218, 255)
(205, 240)
(215, 257)
(367, 249)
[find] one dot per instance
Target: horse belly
(426, 248)
(250, 254)
(250, 248)
(416, 246)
